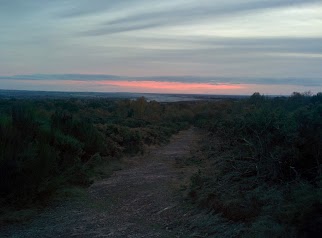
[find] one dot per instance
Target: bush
(263, 166)
(48, 144)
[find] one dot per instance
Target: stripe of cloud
(184, 14)
(231, 50)
(277, 45)
(209, 9)
(236, 80)
(84, 7)
(224, 44)
(81, 8)
(119, 29)
(78, 77)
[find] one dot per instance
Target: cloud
(186, 13)
(247, 45)
(233, 41)
(81, 8)
(78, 77)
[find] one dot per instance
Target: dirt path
(139, 201)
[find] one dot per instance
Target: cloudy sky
(181, 46)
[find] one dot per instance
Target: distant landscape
(22, 94)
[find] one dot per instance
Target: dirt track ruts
(138, 201)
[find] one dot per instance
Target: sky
(168, 46)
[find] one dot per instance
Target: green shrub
(263, 165)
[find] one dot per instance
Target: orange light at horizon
(171, 86)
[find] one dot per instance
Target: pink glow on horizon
(171, 86)
(152, 87)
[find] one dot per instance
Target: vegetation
(259, 170)
(49, 144)
(262, 166)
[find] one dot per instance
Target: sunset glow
(167, 87)
(151, 86)
(197, 46)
